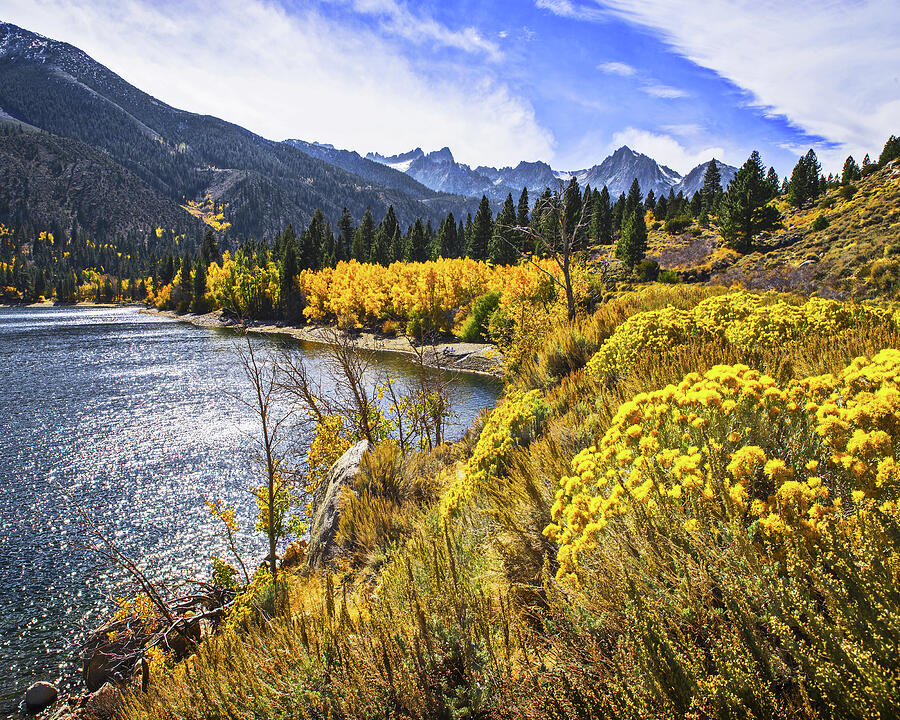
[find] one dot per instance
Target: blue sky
(564, 81)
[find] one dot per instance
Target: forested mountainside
(51, 182)
(264, 185)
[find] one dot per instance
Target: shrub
(733, 443)
(474, 329)
(820, 223)
(647, 270)
(670, 277)
(847, 191)
(741, 320)
(678, 224)
(515, 421)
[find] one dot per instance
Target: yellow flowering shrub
(514, 421)
(733, 443)
(741, 319)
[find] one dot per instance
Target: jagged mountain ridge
(181, 155)
(439, 171)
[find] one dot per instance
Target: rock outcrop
(326, 514)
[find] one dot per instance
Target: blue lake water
(134, 417)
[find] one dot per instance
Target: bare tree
(265, 378)
(561, 234)
(349, 390)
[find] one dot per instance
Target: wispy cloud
(617, 68)
(302, 73)
(664, 91)
(398, 19)
(569, 9)
(830, 68)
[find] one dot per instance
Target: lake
(133, 417)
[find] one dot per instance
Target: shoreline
(476, 358)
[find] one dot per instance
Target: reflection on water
(128, 414)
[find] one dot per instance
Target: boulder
(102, 705)
(99, 667)
(325, 512)
(40, 695)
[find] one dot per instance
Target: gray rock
(40, 695)
(325, 513)
(102, 705)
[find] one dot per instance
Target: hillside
(856, 253)
(52, 182)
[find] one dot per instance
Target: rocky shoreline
(480, 358)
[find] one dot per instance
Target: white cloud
(568, 9)
(420, 29)
(831, 68)
(664, 91)
(665, 149)
(300, 74)
(617, 68)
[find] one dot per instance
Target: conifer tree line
(53, 263)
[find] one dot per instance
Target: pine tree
(397, 246)
(712, 185)
(364, 239)
(804, 185)
(523, 220)
(288, 271)
(209, 248)
(618, 213)
(311, 241)
(572, 202)
(773, 182)
(866, 164)
(327, 249)
(199, 288)
(650, 200)
(344, 243)
(482, 229)
(601, 227)
(416, 243)
(632, 244)
(890, 152)
(850, 171)
(744, 211)
(447, 239)
(635, 197)
(662, 207)
(502, 246)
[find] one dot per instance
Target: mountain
(620, 169)
(50, 182)
(693, 181)
(532, 175)
(400, 162)
(439, 171)
(183, 156)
